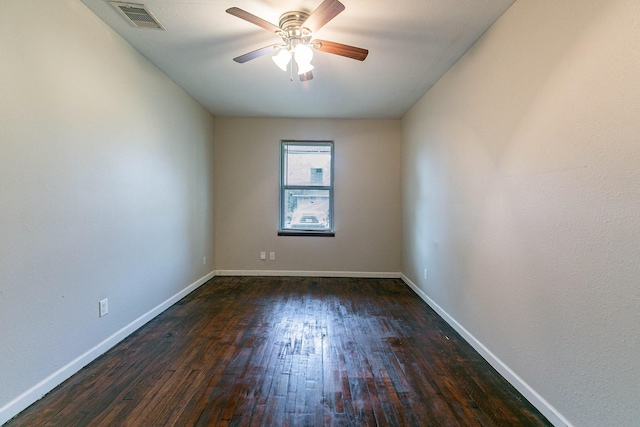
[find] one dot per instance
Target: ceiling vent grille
(137, 15)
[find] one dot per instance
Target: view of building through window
(306, 186)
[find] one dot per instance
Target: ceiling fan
(296, 28)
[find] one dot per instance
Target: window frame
(282, 231)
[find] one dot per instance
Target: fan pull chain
(291, 69)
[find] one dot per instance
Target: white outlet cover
(272, 255)
(104, 307)
(263, 255)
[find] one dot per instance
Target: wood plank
(264, 351)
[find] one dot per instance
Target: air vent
(137, 15)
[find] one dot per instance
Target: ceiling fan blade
(327, 10)
(242, 14)
(340, 49)
(306, 76)
(256, 53)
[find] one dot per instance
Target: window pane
(306, 209)
(308, 165)
(306, 188)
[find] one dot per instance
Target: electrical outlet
(204, 260)
(272, 256)
(104, 307)
(263, 255)
(426, 274)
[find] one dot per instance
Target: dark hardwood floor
(265, 351)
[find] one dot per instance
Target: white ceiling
(411, 44)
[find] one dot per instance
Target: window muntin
(306, 188)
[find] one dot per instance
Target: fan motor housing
(291, 24)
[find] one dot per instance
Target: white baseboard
(36, 392)
(529, 393)
(271, 273)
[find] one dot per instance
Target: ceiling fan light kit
(282, 59)
(296, 30)
(303, 55)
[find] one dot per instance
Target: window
(306, 188)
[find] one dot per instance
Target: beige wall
(521, 196)
(105, 192)
(367, 196)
